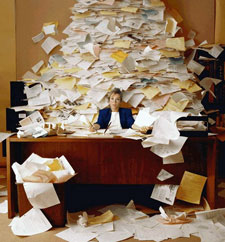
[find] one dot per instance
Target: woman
(114, 116)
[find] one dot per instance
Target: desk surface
(113, 160)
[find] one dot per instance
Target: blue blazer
(126, 118)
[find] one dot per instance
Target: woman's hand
(144, 129)
(94, 127)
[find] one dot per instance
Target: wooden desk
(113, 161)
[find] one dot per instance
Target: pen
(92, 125)
(107, 127)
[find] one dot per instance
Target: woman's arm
(130, 119)
(94, 127)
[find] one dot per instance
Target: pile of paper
(133, 223)
(130, 45)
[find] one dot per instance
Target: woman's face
(114, 102)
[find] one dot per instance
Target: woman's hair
(116, 91)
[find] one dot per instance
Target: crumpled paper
(173, 219)
(43, 170)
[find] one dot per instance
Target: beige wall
(30, 24)
(199, 16)
(7, 58)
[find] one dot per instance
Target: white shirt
(115, 121)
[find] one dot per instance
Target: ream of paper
(191, 187)
(41, 195)
(165, 193)
(32, 222)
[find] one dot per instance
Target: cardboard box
(55, 214)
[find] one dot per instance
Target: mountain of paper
(130, 45)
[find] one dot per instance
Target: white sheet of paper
(154, 55)
(189, 43)
(35, 117)
(37, 67)
(153, 234)
(204, 215)
(173, 159)
(38, 37)
(168, 88)
(195, 67)
(96, 95)
(4, 136)
(164, 128)
(32, 222)
(144, 118)
(107, 27)
(49, 44)
(114, 236)
(208, 81)
(47, 76)
(30, 75)
(129, 64)
(136, 99)
(151, 141)
(172, 148)
(42, 99)
(49, 29)
(124, 84)
(33, 91)
(134, 23)
(41, 195)
(85, 64)
(69, 235)
(165, 193)
(164, 175)
(216, 51)
(4, 207)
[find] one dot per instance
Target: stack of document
(131, 45)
